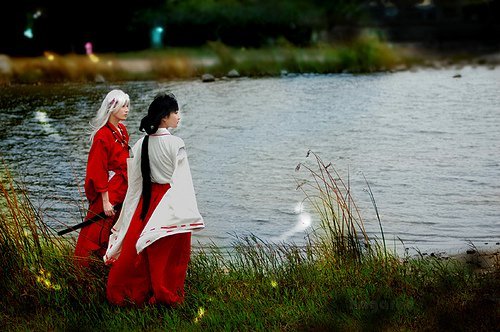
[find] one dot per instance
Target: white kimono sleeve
(177, 211)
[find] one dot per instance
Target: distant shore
(216, 61)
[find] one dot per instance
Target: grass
(340, 280)
(366, 53)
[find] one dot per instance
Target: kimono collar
(161, 132)
(113, 127)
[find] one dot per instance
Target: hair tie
(112, 103)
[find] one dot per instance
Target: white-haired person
(150, 245)
(106, 175)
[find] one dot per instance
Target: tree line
(30, 27)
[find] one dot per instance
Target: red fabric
(156, 275)
(93, 239)
(109, 152)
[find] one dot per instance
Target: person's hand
(109, 209)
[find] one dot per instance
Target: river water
(427, 142)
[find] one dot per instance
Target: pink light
(88, 48)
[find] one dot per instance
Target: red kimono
(149, 258)
(106, 171)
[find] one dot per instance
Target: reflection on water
(427, 142)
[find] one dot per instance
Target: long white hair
(114, 100)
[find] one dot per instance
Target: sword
(89, 221)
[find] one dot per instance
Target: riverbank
(214, 61)
(336, 282)
(479, 261)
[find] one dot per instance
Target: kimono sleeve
(97, 166)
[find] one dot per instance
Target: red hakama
(157, 274)
(108, 153)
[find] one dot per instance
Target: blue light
(156, 37)
(28, 33)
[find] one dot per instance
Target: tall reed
(22, 234)
(37, 269)
(342, 227)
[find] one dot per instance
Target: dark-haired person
(106, 175)
(150, 245)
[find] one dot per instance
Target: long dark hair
(163, 104)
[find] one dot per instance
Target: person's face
(121, 113)
(172, 120)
